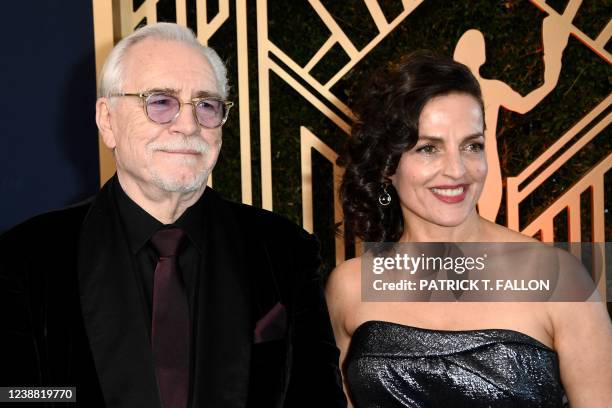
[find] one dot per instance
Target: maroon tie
(170, 329)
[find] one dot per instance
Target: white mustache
(194, 144)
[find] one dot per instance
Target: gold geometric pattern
(115, 19)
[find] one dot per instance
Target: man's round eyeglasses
(162, 108)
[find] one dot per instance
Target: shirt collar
(192, 221)
(140, 225)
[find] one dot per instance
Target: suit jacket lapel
(224, 322)
(112, 309)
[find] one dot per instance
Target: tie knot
(167, 241)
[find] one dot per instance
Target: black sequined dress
(391, 365)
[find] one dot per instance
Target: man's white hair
(111, 77)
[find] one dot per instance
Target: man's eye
(427, 149)
(160, 100)
(209, 104)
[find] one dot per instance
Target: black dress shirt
(81, 323)
(139, 227)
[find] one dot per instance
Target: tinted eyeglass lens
(162, 108)
(210, 112)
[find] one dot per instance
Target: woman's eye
(427, 149)
(475, 147)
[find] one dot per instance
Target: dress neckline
(526, 337)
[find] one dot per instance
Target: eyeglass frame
(146, 95)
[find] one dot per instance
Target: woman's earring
(384, 198)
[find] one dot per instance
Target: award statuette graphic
(292, 66)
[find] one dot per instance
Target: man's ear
(103, 120)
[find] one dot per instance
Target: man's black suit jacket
(70, 314)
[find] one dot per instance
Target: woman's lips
(450, 194)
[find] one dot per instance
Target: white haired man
(157, 292)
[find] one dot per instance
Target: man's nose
(186, 121)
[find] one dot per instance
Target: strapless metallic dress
(391, 365)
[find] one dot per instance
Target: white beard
(181, 185)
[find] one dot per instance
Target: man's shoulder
(62, 222)
(266, 222)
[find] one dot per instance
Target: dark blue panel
(49, 154)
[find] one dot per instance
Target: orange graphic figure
(470, 50)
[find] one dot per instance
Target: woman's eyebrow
(438, 139)
(473, 136)
(431, 138)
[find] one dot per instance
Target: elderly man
(157, 292)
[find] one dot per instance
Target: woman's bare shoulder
(583, 341)
(343, 295)
(345, 277)
(498, 233)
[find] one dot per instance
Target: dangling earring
(384, 198)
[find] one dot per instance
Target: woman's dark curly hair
(387, 125)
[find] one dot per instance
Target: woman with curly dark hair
(414, 170)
